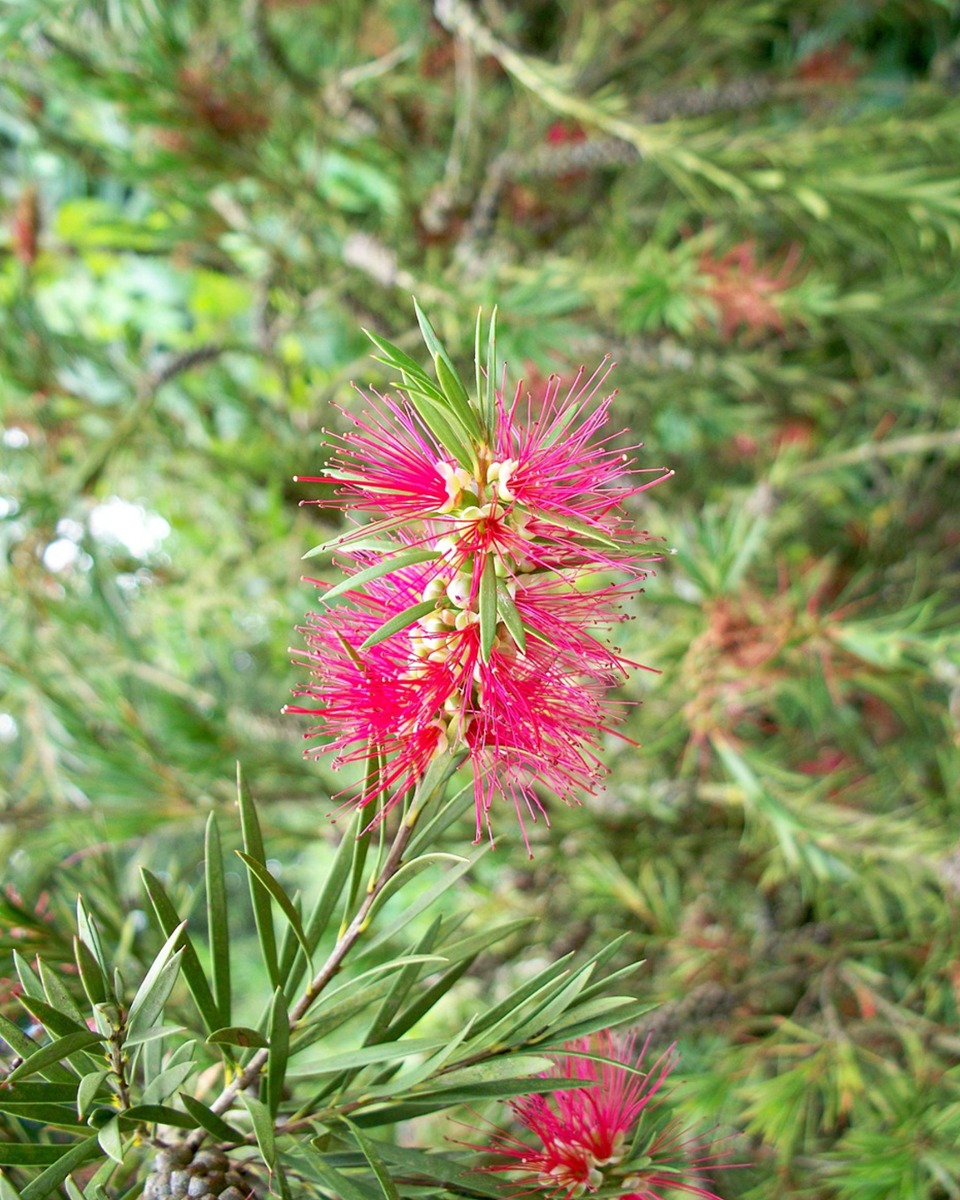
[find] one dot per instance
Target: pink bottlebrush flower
(586, 1138)
(548, 491)
(524, 717)
(472, 618)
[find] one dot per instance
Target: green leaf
(422, 903)
(87, 1091)
(279, 1051)
(190, 964)
(478, 372)
(416, 1073)
(504, 1066)
(23, 1046)
(457, 397)
(580, 528)
(490, 383)
(345, 541)
(400, 621)
(409, 871)
(238, 1035)
(51, 1019)
(88, 933)
(443, 424)
(510, 616)
(259, 892)
(440, 1168)
(401, 987)
(29, 981)
(380, 1054)
(167, 1081)
(154, 992)
(352, 987)
(598, 1014)
(272, 886)
(57, 1116)
(450, 382)
(58, 995)
(342, 1186)
(488, 607)
(395, 561)
(54, 1053)
(215, 1125)
(218, 927)
(262, 1128)
(377, 1165)
(91, 973)
(158, 1114)
(394, 357)
(110, 1139)
(47, 1182)
(521, 994)
(29, 1154)
(40, 1093)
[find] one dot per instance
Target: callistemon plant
(479, 590)
(596, 1133)
(469, 627)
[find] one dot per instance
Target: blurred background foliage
(755, 208)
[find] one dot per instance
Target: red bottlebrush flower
(745, 291)
(588, 1137)
(548, 486)
(471, 619)
(524, 717)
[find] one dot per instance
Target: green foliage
(754, 207)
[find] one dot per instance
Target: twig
(89, 471)
(915, 443)
(343, 946)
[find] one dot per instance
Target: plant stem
(344, 944)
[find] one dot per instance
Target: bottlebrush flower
(522, 717)
(547, 489)
(471, 617)
(589, 1137)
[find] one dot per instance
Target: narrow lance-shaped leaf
(409, 871)
(238, 1035)
(490, 383)
(272, 886)
(279, 1051)
(192, 971)
(510, 616)
(443, 423)
(403, 558)
(57, 994)
(262, 1128)
(377, 1165)
(488, 608)
(394, 357)
(478, 371)
(400, 621)
(213, 1124)
(51, 1019)
(110, 1139)
(401, 986)
(457, 397)
(157, 985)
(54, 1052)
(47, 1182)
(91, 974)
(259, 894)
(218, 928)
(90, 935)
